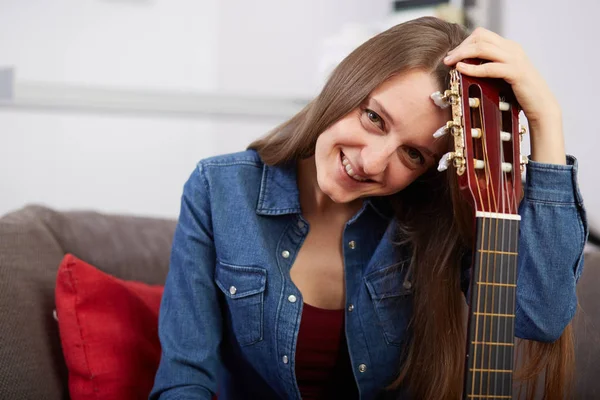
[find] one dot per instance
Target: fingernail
(447, 59)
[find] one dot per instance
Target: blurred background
(107, 105)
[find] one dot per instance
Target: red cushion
(109, 332)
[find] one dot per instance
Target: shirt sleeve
(553, 232)
(552, 235)
(190, 316)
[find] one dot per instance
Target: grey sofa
(33, 241)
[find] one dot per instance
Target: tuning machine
(524, 159)
(452, 98)
(448, 98)
(522, 131)
(456, 158)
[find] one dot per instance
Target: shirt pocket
(243, 287)
(392, 300)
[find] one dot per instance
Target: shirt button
(285, 359)
(232, 290)
(300, 224)
(352, 244)
(285, 254)
(362, 368)
(407, 285)
(351, 308)
(292, 298)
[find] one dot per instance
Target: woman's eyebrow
(388, 116)
(430, 153)
(383, 111)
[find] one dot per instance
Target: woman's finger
(483, 35)
(488, 70)
(482, 50)
(480, 39)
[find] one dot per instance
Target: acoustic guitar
(487, 158)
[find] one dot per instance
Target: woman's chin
(335, 192)
(340, 199)
(340, 196)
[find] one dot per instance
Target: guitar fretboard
(490, 342)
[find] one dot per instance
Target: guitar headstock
(487, 142)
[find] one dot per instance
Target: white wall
(274, 46)
(109, 163)
(143, 43)
(562, 40)
(137, 164)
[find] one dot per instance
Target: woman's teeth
(349, 170)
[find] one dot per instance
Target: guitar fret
(497, 284)
(494, 314)
(493, 292)
(498, 216)
(494, 343)
(510, 253)
(506, 371)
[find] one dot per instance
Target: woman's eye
(415, 156)
(374, 118)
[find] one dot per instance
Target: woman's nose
(376, 160)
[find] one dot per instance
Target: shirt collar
(278, 191)
(279, 194)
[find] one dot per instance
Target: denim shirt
(230, 313)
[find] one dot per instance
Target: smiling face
(385, 144)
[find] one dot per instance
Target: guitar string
(516, 161)
(502, 270)
(473, 362)
(498, 209)
(481, 264)
(494, 280)
(492, 202)
(513, 229)
(509, 204)
(511, 208)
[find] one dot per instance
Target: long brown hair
(434, 221)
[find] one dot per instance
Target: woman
(326, 260)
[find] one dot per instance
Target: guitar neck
(490, 341)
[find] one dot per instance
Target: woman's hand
(508, 61)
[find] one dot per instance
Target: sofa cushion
(109, 332)
(587, 329)
(33, 241)
(128, 247)
(31, 365)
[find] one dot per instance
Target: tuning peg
(452, 157)
(522, 130)
(445, 161)
(446, 99)
(506, 167)
(505, 136)
(478, 164)
(440, 100)
(440, 132)
(524, 161)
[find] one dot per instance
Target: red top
(323, 368)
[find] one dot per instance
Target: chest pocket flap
(391, 294)
(243, 287)
(240, 281)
